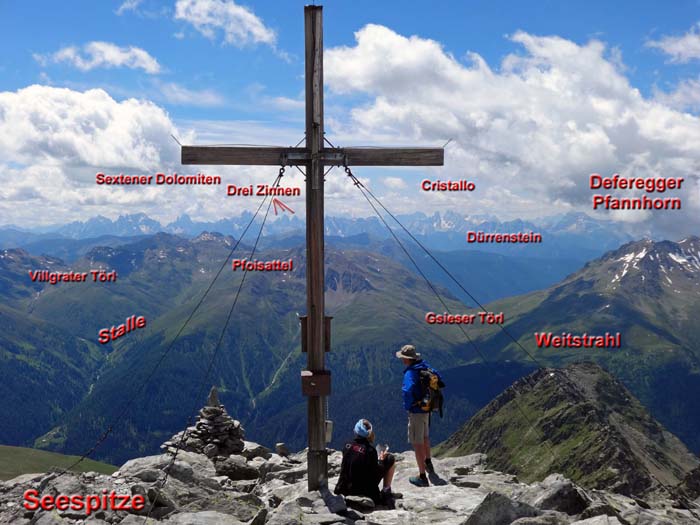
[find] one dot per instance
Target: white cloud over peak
(529, 132)
(680, 49)
(239, 25)
(102, 55)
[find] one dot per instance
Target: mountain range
(646, 290)
(163, 277)
(571, 235)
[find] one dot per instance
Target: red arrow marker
(276, 202)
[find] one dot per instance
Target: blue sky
(240, 75)
(237, 77)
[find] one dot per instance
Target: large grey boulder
(254, 450)
(188, 467)
(236, 468)
(277, 463)
(132, 519)
(497, 509)
(50, 518)
(599, 520)
(360, 503)
(135, 467)
(244, 507)
(292, 513)
(20, 480)
(545, 519)
(291, 475)
(556, 492)
(208, 517)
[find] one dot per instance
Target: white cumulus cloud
(53, 141)
(680, 49)
(394, 183)
(528, 131)
(686, 95)
(102, 55)
(238, 25)
(60, 126)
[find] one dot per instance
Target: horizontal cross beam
(277, 156)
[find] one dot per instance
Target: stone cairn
(214, 434)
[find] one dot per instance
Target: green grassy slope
(580, 422)
(45, 373)
(15, 461)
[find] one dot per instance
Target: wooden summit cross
(314, 156)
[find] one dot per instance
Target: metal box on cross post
(316, 383)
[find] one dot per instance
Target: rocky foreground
(260, 487)
(215, 477)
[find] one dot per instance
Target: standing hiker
(419, 399)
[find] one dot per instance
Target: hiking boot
(430, 469)
(395, 495)
(419, 481)
(388, 499)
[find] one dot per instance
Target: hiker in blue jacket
(418, 419)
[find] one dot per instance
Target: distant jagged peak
(646, 265)
(124, 225)
(214, 237)
(208, 236)
(138, 216)
(182, 221)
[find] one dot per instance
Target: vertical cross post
(315, 304)
(314, 156)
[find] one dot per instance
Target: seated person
(362, 469)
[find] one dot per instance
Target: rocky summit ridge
(579, 421)
(256, 486)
